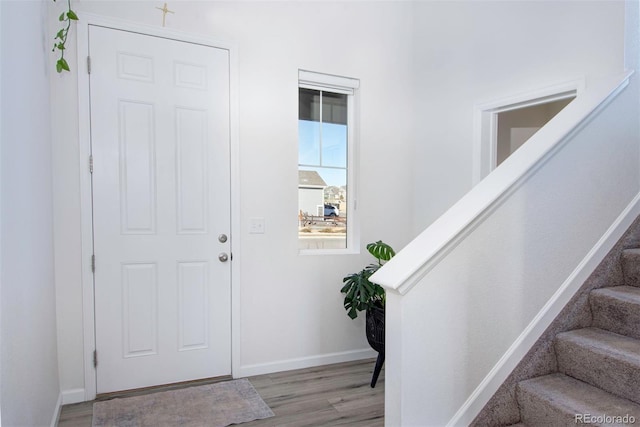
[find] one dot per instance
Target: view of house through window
(322, 169)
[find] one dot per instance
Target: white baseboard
(56, 413)
(494, 379)
(75, 395)
(303, 362)
(78, 395)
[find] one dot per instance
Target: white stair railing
(471, 294)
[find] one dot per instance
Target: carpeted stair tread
(601, 358)
(598, 378)
(630, 260)
(554, 400)
(617, 309)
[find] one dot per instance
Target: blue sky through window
(331, 143)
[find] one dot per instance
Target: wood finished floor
(331, 395)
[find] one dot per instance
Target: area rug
(213, 405)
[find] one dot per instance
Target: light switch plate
(256, 225)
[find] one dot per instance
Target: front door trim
(86, 207)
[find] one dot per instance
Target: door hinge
(93, 263)
(95, 358)
(88, 65)
(91, 164)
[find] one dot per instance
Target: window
(326, 188)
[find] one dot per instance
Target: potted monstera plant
(360, 294)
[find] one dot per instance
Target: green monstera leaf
(381, 251)
(359, 292)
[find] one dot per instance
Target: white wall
(2, 37)
(480, 304)
(291, 307)
(422, 67)
(473, 52)
(29, 365)
(454, 337)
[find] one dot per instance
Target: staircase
(598, 378)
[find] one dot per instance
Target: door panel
(160, 144)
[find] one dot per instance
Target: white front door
(161, 209)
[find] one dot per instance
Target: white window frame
(347, 86)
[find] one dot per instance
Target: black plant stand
(378, 368)
(375, 336)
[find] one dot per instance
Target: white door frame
(485, 121)
(87, 19)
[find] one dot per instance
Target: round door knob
(223, 257)
(222, 238)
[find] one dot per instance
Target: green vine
(60, 40)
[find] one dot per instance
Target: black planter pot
(375, 336)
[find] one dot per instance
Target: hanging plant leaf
(68, 16)
(62, 65)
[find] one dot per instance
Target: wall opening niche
(515, 127)
(503, 126)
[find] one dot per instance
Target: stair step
(601, 358)
(630, 260)
(617, 309)
(559, 400)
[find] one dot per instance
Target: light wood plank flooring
(332, 395)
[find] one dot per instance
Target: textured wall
(472, 52)
(29, 364)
